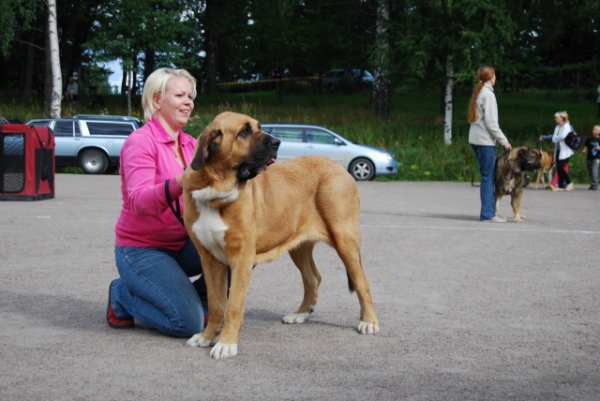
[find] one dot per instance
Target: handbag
(573, 140)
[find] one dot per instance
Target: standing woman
(562, 152)
(483, 135)
(154, 255)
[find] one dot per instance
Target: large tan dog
(547, 161)
(510, 176)
(239, 218)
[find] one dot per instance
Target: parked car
(338, 77)
(362, 162)
(92, 142)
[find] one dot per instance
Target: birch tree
(448, 101)
(55, 102)
(445, 41)
(381, 59)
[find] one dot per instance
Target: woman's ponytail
(484, 74)
(472, 112)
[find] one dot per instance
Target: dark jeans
(563, 176)
(592, 166)
(486, 157)
(154, 288)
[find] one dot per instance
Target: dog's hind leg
(348, 249)
(302, 257)
(540, 176)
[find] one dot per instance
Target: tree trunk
(129, 90)
(124, 77)
(150, 62)
(55, 104)
(381, 84)
(211, 47)
(448, 100)
(47, 72)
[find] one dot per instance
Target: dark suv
(339, 77)
(92, 142)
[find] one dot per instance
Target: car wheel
(362, 170)
(93, 161)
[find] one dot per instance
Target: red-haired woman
(483, 135)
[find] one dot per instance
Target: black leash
(177, 209)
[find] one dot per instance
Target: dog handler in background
(483, 135)
(154, 255)
(562, 152)
(592, 148)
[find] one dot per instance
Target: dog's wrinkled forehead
(237, 124)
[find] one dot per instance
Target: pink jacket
(147, 161)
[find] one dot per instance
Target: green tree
(143, 34)
(449, 40)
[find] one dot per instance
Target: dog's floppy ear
(523, 153)
(208, 143)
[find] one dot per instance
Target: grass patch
(413, 133)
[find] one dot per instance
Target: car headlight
(387, 156)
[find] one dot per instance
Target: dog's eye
(245, 132)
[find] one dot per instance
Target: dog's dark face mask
(263, 154)
(529, 160)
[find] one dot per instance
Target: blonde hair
(484, 74)
(562, 114)
(156, 83)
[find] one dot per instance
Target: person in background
(483, 135)
(592, 148)
(598, 101)
(71, 92)
(154, 255)
(554, 183)
(562, 153)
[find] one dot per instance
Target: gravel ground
(468, 310)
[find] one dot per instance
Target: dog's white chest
(210, 228)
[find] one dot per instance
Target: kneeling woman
(153, 252)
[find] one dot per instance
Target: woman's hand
(507, 147)
(179, 180)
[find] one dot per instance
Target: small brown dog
(510, 176)
(547, 161)
(241, 210)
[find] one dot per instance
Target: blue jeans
(486, 157)
(155, 288)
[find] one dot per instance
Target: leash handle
(177, 209)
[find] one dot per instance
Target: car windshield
(366, 73)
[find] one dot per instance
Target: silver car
(92, 142)
(362, 162)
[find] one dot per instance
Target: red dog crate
(26, 162)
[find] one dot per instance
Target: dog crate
(26, 162)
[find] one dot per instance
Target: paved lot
(468, 311)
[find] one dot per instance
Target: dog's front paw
(221, 351)
(519, 218)
(367, 328)
(198, 341)
(295, 318)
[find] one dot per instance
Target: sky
(116, 78)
